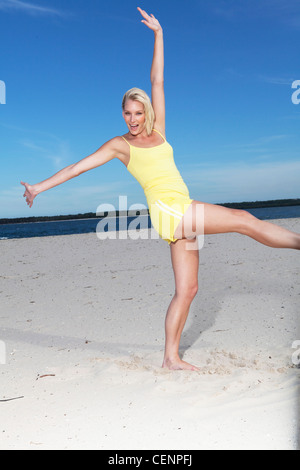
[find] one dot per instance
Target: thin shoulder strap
(160, 134)
(126, 141)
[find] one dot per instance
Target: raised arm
(157, 71)
(107, 152)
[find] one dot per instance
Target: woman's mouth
(134, 128)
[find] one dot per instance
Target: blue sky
(230, 66)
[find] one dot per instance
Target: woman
(147, 155)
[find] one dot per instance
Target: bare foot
(178, 364)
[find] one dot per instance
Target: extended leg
(185, 265)
(218, 219)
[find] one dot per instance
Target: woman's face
(134, 115)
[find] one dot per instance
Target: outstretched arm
(106, 153)
(157, 70)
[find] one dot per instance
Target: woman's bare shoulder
(117, 144)
(120, 148)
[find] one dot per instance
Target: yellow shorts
(166, 213)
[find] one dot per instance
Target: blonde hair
(136, 94)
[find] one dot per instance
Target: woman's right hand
(150, 21)
(30, 193)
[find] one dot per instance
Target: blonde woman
(148, 156)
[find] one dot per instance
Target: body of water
(71, 227)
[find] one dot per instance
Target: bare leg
(218, 219)
(186, 266)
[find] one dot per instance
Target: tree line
(93, 215)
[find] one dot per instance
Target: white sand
(88, 315)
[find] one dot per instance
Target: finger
(147, 23)
(144, 14)
(142, 11)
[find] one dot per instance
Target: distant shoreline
(145, 212)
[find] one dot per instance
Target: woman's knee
(244, 220)
(187, 292)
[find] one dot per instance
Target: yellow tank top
(154, 168)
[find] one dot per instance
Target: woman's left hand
(150, 21)
(30, 193)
